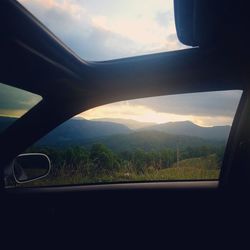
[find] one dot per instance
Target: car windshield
(14, 103)
(109, 29)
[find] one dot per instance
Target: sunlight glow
(128, 110)
(109, 29)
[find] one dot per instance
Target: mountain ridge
(75, 129)
(130, 123)
(191, 129)
(149, 140)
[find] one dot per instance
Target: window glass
(14, 103)
(178, 137)
(100, 30)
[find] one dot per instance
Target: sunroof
(100, 30)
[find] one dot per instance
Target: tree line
(101, 160)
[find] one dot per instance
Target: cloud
(205, 109)
(103, 30)
(221, 103)
(164, 18)
(128, 110)
(80, 31)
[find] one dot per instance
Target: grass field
(205, 168)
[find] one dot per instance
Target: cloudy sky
(108, 29)
(204, 109)
(100, 30)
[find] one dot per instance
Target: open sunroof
(99, 30)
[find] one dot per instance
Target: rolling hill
(132, 124)
(148, 141)
(190, 129)
(119, 136)
(81, 129)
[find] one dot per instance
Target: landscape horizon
(89, 151)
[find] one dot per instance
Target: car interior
(184, 213)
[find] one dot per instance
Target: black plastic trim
(178, 185)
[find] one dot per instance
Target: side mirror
(31, 166)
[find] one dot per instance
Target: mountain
(190, 129)
(149, 141)
(81, 129)
(132, 124)
(119, 136)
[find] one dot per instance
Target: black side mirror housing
(30, 166)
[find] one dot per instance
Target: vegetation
(83, 151)
(100, 164)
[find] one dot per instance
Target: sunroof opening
(109, 29)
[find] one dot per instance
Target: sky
(99, 30)
(109, 29)
(205, 109)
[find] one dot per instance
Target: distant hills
(191, 129)
(176, 128)
(132, 124)
(150, 141)
(117, 135)
(81, 129)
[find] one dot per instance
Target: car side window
(177, 137)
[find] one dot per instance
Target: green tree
(168, 157)
(139, 160)
(76, 156)
(103, 160)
